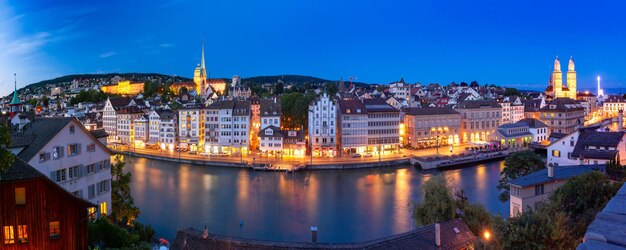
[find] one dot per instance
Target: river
(346, 206)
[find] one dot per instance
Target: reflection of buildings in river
(402, 198)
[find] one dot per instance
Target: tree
(582, 197)
(6, 156)
(88, 96)
(536, 230)
(295, 106)
(45, 101)
(150, 88)
(516, 165)
(474, 84)
(438, 204)
(615, 171)
(463, 84)
(280, 88)
(330, 88)
(124, 210)
(512, 91)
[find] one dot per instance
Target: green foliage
(438, 204)
(581, 198)
(474, 84)
(124, 210)
(88, 96)
(331, 88)
(107, 235)
(615, 171)
(32, 102)
(279, 88)
(6, 156)
(45, 101)
(536, 230)
(516, 165)
(295, 108)
(150, 88)
(512, 91)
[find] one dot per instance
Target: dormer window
(269, 132)
(72, 129)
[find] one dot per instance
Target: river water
(346, 206)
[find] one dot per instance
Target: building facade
(563, 115)
(191, 128)
(479, 120)
(352, 126)
(383, 126)
(429, 127)
(556, 89)
(322, 126)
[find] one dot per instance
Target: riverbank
(236, 163)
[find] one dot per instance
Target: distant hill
(297, 80)
(129, 76)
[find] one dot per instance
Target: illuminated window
(55, 230)
(22, 234)
(103, 208)
(91, 212)
(9, 235)
(20, 196)
(556, 153)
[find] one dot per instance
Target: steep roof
(353, 105)
(534, 123)
(99, 133)
(607, 229)
(378, 105)
(560, 173)
(479, 104)
(20, 170)
(120, 102)
(430, 111)
(562, 105)
(590, 137)
(276, 132)
(271, 107)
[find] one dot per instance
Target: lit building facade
(563, 115)
(123, 88)
(612, 105)
(479, 120)
(168, 129)
(322, 126)
(228, 124)
(352, 126)
(255, 122)
(555, 88)
(429, 127)
(191, 128)
(142, 130)
(383, 126)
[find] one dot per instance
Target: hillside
(297, 80)
(100, 77)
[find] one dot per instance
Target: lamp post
(240, 152)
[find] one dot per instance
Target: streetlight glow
(487, 235)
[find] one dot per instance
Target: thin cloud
(166, 45)
(108, 54)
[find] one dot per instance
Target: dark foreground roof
(20, 170)
(99, 133)
(560, 173)
(421, 238)
(607, 230)
(431, 111)
(39, 132)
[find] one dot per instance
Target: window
(55, 230)
(73, 172)
(9, 235)
(91, 147)
(57, 153)
(59, 175)
(73, 149)
(72, 129)
(91, 168)
(91, 191)
(22, 234)
(103, 208)
(20, 196)
(539, 189)
(556, 153)
(91, 212)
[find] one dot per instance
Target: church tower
(199, 75)
(571, 78)
(557, 79)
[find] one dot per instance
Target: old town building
(428, 127)
(562, 115)
(479, 120)
(322, 126)
(383, 126)
(352, 126)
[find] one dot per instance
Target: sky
(509, 43)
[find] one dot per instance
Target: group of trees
(91, 95)
(558, 223)
(295, 107)
(6, 156)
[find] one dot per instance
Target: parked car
(368, 155)
(357, 155)
(223, 154)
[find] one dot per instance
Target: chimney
(550, 170)
(314, 234)
(437, 234)
(620, 120)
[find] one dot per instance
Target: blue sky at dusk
(510, 43)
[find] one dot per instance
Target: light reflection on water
(346, 206)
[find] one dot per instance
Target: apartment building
(141, 130)
(587, 147)
(383, 126)
(322, 126)
(69, 155)
(351, 126)
(227, 127)
(479, 120)
(428, 127)
(563, 115)
(125, 123)
(191, 127)
(168, 129)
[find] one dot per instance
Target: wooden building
(36, 213)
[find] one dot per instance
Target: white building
(516, 108)
(142, 130)
(168, 129)
(588, 146)
(67, 153)
(506, 112)
(154, 122)
(271, 139)
(537, 128)
(233, 126)
(191, 128)
(270, 112)
(322, 126)
(401, 89)
(125, 123)
(109, 114)
(383, 126)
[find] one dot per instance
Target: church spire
(16, 99)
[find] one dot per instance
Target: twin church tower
(556, 89)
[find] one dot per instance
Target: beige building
(479, 120)
(555, 88)
(612, 105)
(424, 126)
(123, 88)
(562, 115)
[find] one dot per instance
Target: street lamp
(487, 235)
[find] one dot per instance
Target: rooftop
(560, 173)
(430, 111)
(607, 230)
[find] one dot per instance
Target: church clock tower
(571, 78)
